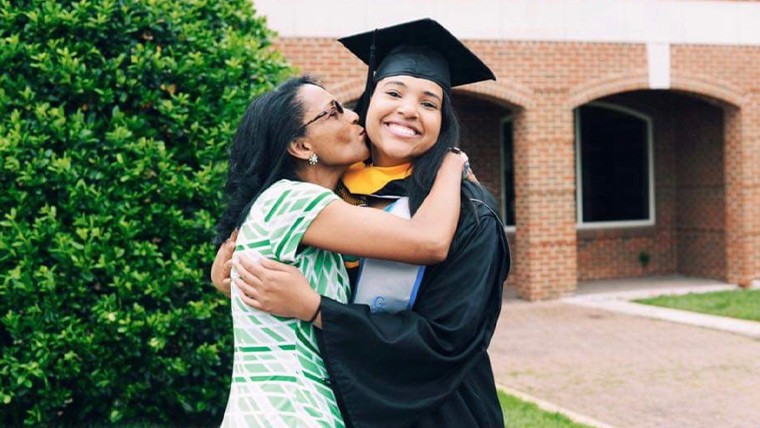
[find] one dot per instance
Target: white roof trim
(619, 21)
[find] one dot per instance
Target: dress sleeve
(288, 214)
(390, 369)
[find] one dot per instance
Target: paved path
(628, 371)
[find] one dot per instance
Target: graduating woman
(422, 359)
(290, 150)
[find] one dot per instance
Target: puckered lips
(402, 129)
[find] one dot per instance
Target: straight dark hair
(425, 168)
(259, 155)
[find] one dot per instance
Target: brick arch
(725, 93)
(502, 92)
(735, 105)
(505, 93)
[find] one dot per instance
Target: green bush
(115, 116)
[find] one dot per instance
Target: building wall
(481, 139)
(540, 83)
(700, 222)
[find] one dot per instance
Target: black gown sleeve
(390, 369)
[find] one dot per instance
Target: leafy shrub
(115, 116)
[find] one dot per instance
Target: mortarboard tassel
(369, 86)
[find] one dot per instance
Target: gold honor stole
(365, 180)
(385, 286)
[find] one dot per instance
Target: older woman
(290, 150)
(425, 365)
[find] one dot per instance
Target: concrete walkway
(625, 370)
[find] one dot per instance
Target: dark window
(614, 165)
(508, 163)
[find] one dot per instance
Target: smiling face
(332, 133)
(403, 119)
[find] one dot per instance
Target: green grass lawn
(742, 304)
(521, 414)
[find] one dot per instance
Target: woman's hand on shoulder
(455, 159)
(275, 288)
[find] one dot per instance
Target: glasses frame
(335, 106)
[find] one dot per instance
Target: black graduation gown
(427, 367)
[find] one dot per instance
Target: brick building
(621, 137)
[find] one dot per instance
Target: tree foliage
(115, 117)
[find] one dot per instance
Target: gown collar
(361, 179)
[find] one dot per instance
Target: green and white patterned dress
(278, 377)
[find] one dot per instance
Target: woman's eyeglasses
(334, 108)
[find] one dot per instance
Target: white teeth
(403, 130)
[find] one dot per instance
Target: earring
(313, 159)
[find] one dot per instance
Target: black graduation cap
(422, 48)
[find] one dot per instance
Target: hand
(456, 158)
(220, 270)
(467, 173)
(275, 288)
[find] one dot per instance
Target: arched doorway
(650, 186)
